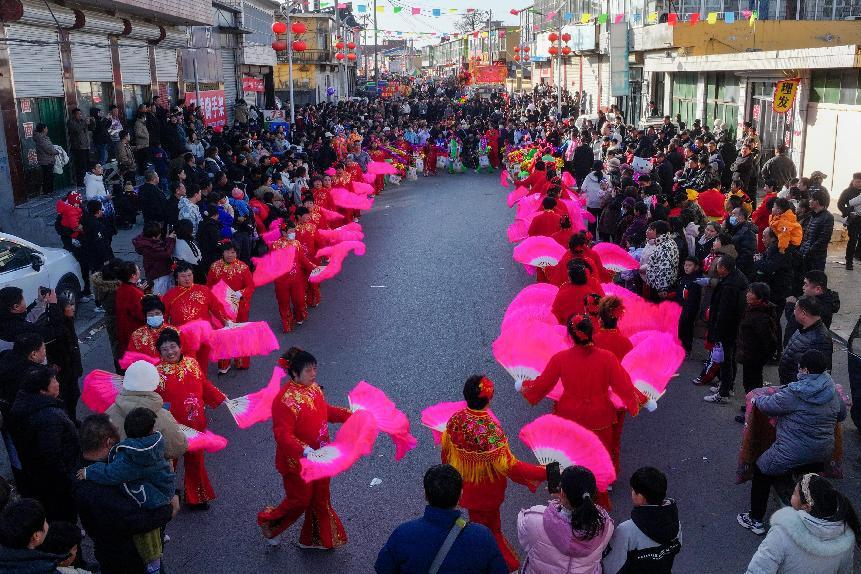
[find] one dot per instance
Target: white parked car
(28, 266)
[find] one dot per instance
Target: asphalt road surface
(415, 317)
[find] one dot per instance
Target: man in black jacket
(774, 268)
(96, 241)
(743, 168)
(725, 312)
(849, 205)
(13, 317)
(108, 514)
(29, 350)
(664, 174)
(46, 441)
(815, 285)
(151, 199)
(817, 233)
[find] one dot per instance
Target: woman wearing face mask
(184, 386)
(290, 287)
(143, 339)
(817, 533)
(569, 534)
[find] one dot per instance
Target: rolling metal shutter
(91, 57)
(228, 68)
(134, 62)
(165, 65)
(36, 68)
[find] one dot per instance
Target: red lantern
(351, 45)
(351, 56)
(298, 27)
(517, 58)
(514, 12)
(279, 45)
(516, 49)
(339, 45)
(553, 36)
(526, 49)
(566, 50)
(339, 56)
(299, 46)
(526, 58)
(279, 27)
(553, 50)
(566, 37)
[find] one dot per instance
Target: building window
(133, 96)
(94, 95)
(684, 102)
(835, 87)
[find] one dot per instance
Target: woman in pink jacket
(570, 533)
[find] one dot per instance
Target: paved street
(415, 316)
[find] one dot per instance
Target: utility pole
(285, 10)
(559, 71)
(376, 51)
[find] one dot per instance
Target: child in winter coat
(70, 213)
(650, 540)
(568, 535)
(785, 225)
(138, 464)
(64, 539)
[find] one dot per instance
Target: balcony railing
(308, 57)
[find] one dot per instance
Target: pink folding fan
(381, 168)
(516, 195)
(256, 407)
(389, 419)
(227, 297)
(503, 178)
(525, 351)
(130, 357)
(653, 362)
(101, 389)
(362, 189)
(336, 255)
(273, 265)
(539, 251)
(349, 200)
(354, 440)
(615, 258)
(202, 440)
(242, 340)
(555, 439)
(331, 216)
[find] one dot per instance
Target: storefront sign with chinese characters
(212, 102)
(784, 95)
(250, 84)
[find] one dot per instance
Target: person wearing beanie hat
(139, 385)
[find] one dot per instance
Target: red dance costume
(588, 374)
(558, 274)
(300, 417)
(144, 338)
(379, 155)
(184, 304)
(237, 276)
(618, 344)
(536, 182)
(431, 154)
(127, 303)
(306, 235)
(323, 198)
(477, 447)
(570, 300)
(290, 287)
(545, 223)
(185, 387)
(492, 136)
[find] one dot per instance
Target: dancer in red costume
(144, 338)
(300, 417)
(536, 182)
(237, 276)
(608, 337)
(189, 302)
(322, 193)
(431, 154)
(578, 248)
(492, 135)
(588, 375)
(378, 154)
(290, 287)
(184, 386)
(475, 444)
(306, 235)
(546, 222)
(571, 298)
(565, 233)
(316, 215)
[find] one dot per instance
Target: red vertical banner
(212, 102)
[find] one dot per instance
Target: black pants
(760, 487)
(751, 375)
(80, 161)
(854, 230)
(727, 370)
(48, 179)
(593, 227)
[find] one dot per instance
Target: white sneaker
(715, 398)
(754, 526)
(717, 390)
(274, 541)
(311, 546)
(224, 371)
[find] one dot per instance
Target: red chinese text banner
(212, 102)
